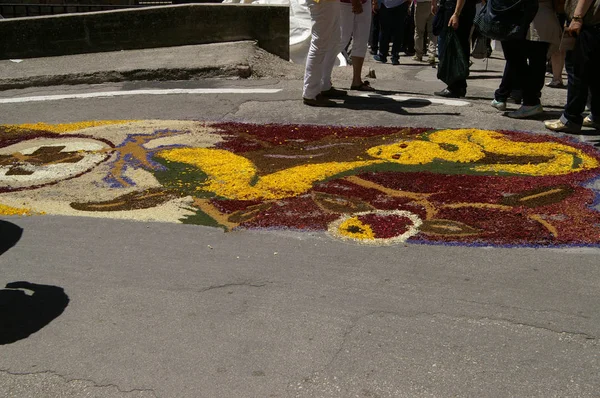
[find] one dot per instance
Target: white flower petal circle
(334, 227)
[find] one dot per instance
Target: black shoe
(380, 58)
(515, 100)
(451, 94)
(334, 93)
(320, 101)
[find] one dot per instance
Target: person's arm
(577, 21)
(457, 10)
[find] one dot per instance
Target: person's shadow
(23, 313)
(9, 235)
(380, 100)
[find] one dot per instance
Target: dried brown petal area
(241, 216)
(132, 201)
(447, 228)
(51, 155)
(18, 171)
(539, 197)
(43, 156)
(496, 158)
(340, 204)
(329, 149)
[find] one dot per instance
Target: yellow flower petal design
(355, 229)
(297, 180)
(231, 175)
(66, 127)
(13, 211)
(235, 177)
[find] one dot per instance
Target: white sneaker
(501, 106)
(526, 111)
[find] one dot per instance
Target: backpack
(480, 50)
(506, 19)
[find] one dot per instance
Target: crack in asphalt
(513, 322)
(522, 308)
(234, 284)
(68, 380)
(355, 320)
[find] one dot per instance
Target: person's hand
(433, 7)
(357, 7)
(574, 27)
(374, 6)
(453, 23)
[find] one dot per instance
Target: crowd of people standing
(561, 34)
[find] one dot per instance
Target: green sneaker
(526, 111)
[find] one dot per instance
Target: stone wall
(150, 27)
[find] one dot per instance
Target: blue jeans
(582, 65)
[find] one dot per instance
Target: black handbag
(453, 66)
(506, 19)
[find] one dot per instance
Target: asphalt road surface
(152, 309)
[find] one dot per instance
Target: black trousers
(583, 64)
(525, 69)
(374, 35)
(391, 22)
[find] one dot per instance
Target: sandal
(364, 86)
(555, 84)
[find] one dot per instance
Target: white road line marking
(401, 98)
(108, 94)
(105, 94)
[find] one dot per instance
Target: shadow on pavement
(484, 77)
(377, 101)
(9, 235)
(24, 313)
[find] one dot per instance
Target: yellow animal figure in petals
(232, 176)
(235, 177)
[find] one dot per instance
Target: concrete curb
(162, 74)
(235, 60)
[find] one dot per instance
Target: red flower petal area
(471, 188)
(231, 206)
(497, 227)
(386, 226)
(300, 213)
(241, 137)
(478, 204)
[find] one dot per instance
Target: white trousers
(357, 26)
(324, 46)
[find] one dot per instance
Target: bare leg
(558, 63)
(357, 64)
